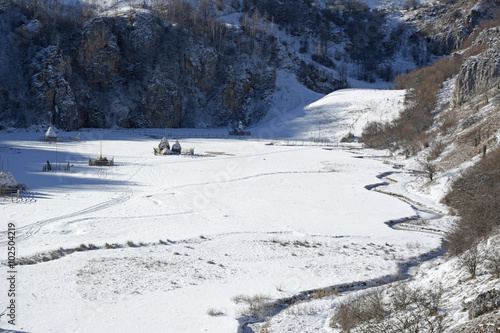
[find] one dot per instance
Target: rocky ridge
(146, 67)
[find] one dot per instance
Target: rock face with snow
(485, 303)
(98, 53)
(50, 74)
(481, 72)
(154, 67)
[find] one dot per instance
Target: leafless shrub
(302, 309)
(430, 169)
(346, 315)
(377, 135)
(435, 151)
(416, 310)
(359, 309)
(402, 296)
(493, 260)
(433, 299)
(470, 260)
(214, 312)
(375, 307)
(450, 121)
(319, 139)
(257, 306)
(348, 138)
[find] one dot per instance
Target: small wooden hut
(101, 161)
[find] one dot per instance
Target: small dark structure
(239, 130)
(49, 167)
(101, 161)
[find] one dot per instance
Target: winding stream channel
(408, 268)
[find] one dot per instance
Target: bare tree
(430, 169)
(470, 260)
(493, 260)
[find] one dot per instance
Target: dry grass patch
(214, 312)
(258, 306)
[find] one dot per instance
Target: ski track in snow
(27, 231)
(249, 177)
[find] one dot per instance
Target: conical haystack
(51, 134)
(176, 147)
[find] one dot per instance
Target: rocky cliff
(481, 70)
(187, 65)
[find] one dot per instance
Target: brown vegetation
(475, 196)
(409, 131)
(398, 309)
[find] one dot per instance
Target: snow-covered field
(239, 217)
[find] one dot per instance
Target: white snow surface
(238, 217)
(331, 117)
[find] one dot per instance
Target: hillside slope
(461, 146)
(204, 64)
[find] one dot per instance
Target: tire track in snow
(29, 230)
(250, 177)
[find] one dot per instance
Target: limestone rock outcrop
(480, 72)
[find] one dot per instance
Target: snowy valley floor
(237, 218)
